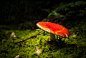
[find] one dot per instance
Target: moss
(67, 48)
(25, 41)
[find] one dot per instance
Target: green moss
(68, 48)
(25, 41)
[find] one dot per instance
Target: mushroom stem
(52, 37)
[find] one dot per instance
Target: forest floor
(34, 44)
(24, 39)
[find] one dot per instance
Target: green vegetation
(21, 40)
(74, 47)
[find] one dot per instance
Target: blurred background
(24, 14)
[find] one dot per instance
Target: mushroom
(54, 28)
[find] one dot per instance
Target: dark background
(21, 11)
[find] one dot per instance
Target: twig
(30, 37)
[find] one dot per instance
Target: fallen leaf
(38, 51)
(16, 56)
(12, 34)
(74, 35)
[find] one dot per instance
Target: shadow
(55, 45)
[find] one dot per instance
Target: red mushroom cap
(54, 28)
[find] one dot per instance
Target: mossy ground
(24, 44)
(20, 38)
